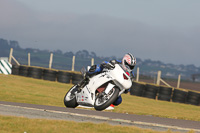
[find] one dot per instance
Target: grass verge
(25, 125)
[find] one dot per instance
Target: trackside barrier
(12, 57)
(47, 74)
(159, 79)
(165, 93)
(5, 67)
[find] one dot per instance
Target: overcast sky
(165, 30)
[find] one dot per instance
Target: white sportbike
(101, 90)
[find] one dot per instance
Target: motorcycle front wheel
(70, 98)
(103, 100)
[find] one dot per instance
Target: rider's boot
(111, 107)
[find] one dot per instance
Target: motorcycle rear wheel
(104, 101)
(70, 98)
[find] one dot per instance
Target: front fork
(83, 83)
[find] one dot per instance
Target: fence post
(73, 62)
(179, 79)
(10, 56)
(138, 71)
(158, 78)
(50, 60)
(15, 60)
(29, 59)
(92, 61)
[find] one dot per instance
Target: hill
(63, 61)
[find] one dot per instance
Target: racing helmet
(128, 62)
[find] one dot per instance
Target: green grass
(34, 91)
(22, 125)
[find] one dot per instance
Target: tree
(57, 52)
(4, 44)
(93, 55)
(83, 54)
(14, 44)
(29, 50)
(69, 54)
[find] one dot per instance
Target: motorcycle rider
(128, 63)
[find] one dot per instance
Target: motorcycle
(101, 90)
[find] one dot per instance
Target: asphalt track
(84, 115)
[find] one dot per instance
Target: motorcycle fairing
(87, 95)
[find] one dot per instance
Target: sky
(164, 30)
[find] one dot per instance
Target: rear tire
(113, 94)
(70, 99)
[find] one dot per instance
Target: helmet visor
(128, 66)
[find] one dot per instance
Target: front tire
(70, 98)
(104, 100)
